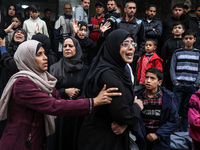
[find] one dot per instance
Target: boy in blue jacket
(159, 116)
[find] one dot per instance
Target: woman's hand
(105, 96)
(139, 102)
(105, 27)
(72, 92)
(2, 42)
(75, 26)
(10, 28)
(118, 128)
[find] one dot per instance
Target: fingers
(135, 98)
(111, 90)
(113, 94)
(104, 87)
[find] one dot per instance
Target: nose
(44, 57)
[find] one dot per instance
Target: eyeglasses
(126, 44)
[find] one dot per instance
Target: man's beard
(150, 17)
(130, 15)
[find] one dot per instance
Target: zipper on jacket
(28, 142)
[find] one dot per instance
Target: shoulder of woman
(110, 77)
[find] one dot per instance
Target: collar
(133, 21)
(101, 16)
(156, 96)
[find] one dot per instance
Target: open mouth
(129, 55)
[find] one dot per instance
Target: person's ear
(155, 47)
(125, 10)
(159, 82)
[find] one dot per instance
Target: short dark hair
(152, 5)
(129, 2)
(47, 9)
(177, 5)
(190, 32)
(157, 72)
(152, 40)
(34, 8)
(178, 23)
(18, 17)
(198, 5)
(119, 6)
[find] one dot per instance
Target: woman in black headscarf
(11, 11)
(70, 72)
(109, 68)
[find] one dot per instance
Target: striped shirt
(185, 67)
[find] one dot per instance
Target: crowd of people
(86, 83)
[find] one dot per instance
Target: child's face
(151, 81)
(34, 15)
(82, 32)
(150, 47)
(189, 41)
(178, 30)
(17, 22)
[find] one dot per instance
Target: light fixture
(24, 6)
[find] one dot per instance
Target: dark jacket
(148, 28)
(25, 127)
(111, 17)
(136, 28)
(96, 132)
(192, 23)
(167, 25)
(168, 49)
(168, 123)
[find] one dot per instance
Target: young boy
(185, 75)
(149, 60)
(159, 115)
(167, 51)
(30, 25)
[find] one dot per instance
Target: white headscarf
(25, 60)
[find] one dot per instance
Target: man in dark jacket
(167, 24)
(152, 26)
(194, 22)
(159, 116)
(136, 28)
(111, 16)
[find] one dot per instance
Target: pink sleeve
(193, 112)
(26, 93)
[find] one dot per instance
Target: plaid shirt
(152, 110)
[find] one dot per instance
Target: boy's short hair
(157, 72)
(177, 5)
(190, 32)
(178, 23)
(47, 9)
(152, 40)
(151, 5)
(34, 8)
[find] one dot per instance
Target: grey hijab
(25, 60)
